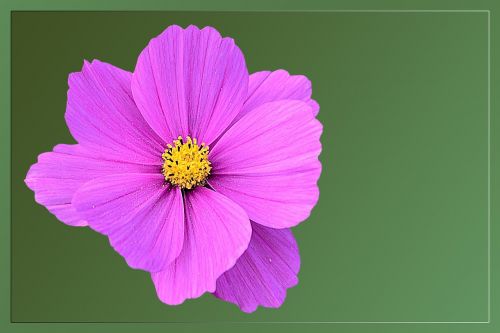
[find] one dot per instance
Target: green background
(401, 230)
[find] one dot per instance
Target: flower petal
(58, 174)
(264, 87)
(143, 218)
(268, 163)
(190, 82)
(217, 233)
(264, 272)
(102, 115)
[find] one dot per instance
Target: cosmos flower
(194, 169)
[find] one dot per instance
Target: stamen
(186, 164)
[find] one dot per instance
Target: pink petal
(264, 87)
(102, 115)
(264, 272)
(142, 217)
(217, 233)
(190, 82)
(58, 174)
(268, 163)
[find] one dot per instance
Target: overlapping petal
(262, 275)
(266, 86)
(190, 82)
(217, 233)
(268, 163)
(101, 115)
(58, 174)
(143, 218)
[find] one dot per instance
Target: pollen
(186, 163)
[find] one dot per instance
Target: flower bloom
(194, 169)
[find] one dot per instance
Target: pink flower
(194, 169)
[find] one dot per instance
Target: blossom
(194, 169)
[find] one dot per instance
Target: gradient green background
(400, 231)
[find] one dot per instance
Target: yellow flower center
(186, 164)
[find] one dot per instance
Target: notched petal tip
(314, 106)
(28, 180)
